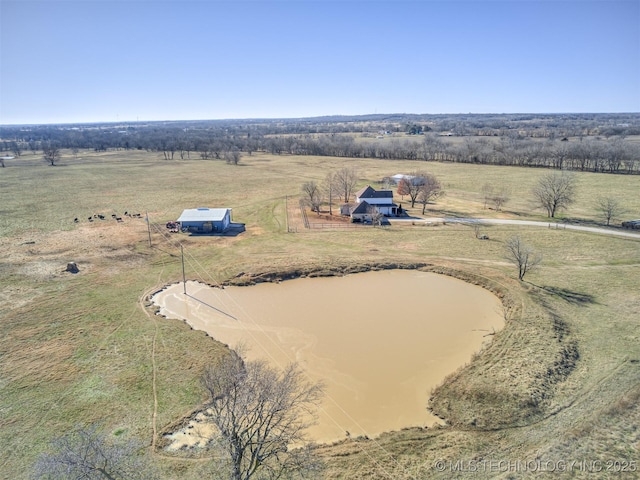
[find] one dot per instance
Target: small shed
(205, 220)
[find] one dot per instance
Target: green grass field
(83, 348)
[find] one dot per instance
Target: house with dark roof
(381, 200)
(369, 199)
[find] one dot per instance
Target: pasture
(84, 348)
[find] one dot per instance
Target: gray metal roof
(369, 192)
(203, 214)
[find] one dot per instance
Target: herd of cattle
(115, 217)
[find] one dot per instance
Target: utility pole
(286, 211)
(148, 228)
(184, 278)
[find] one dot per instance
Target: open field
(83, 348)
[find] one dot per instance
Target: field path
(530, 223)
(141, 303)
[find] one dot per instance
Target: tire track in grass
(154, 370)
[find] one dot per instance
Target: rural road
(528, 223)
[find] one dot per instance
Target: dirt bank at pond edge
(510, 383)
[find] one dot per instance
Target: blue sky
(118, 60)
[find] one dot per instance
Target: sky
(141, 60)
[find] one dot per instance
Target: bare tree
(375, 215)
(345, 181)
(232, 157)
(330, 189)
(51, 153)
(313, 195)
(429, 190)
(432, 146)
(260, 413)
(16, 149)
(559, 152)
(609, 208)
(522, 256)
(88, 453)
(555, 191)
(500, 197)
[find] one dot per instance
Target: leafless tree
(51, 153)
(487, 192)
(260, 413)
(500, 197)
(16, 149)
(555, 191)
(313, 195)
(375, 215)
(429, 190)
(609, 208)
(330, 189)
(559, 152)
(411, 185)
(89, 454)
(345, 181)
(522, 256)
(232, 157)
(432, 147)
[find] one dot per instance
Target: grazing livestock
(75, 220)
(90, 219)
(101, 217)
(119, 219)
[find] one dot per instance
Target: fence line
(334, 225)
(303, 211)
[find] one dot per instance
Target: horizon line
(314, 117)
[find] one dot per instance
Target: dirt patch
(194, 435)
(43, 256)
(16, 296)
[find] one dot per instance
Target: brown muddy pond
(380, 341)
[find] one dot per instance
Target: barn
(205, 220)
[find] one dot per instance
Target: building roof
(369, 192)
(362, 207)
(203, 215)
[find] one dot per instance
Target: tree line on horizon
(501, 140)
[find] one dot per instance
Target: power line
(259, 327)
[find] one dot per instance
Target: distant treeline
(587, 154)
(587, 142)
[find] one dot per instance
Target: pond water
(380, 341)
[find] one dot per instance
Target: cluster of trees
(589, 154)
(422, 187)
(337, 186)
